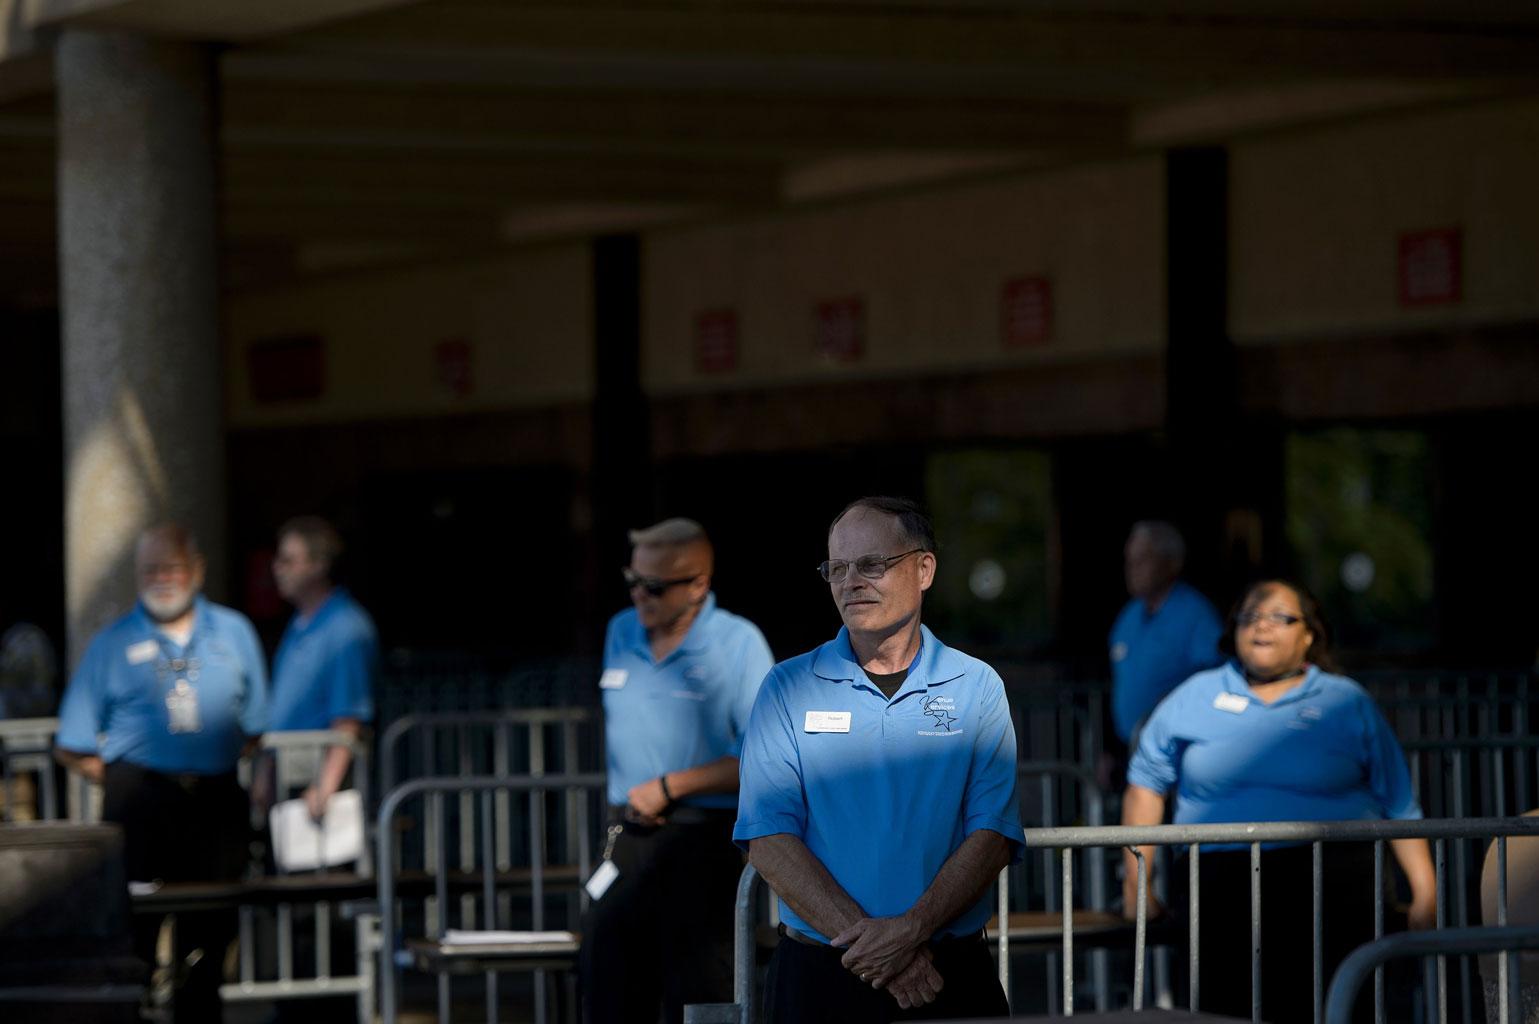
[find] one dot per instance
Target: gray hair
(1164, 538)
(670, 533)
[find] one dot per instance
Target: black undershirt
(888, 682)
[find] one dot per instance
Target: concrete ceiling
(358, 132)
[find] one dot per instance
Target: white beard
(167, 604)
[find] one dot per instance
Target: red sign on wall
(1026, 312)
(716, 341)
(840, 329)
(455, 370)
(1431, 271)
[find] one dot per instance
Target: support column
(1227, 466)
(622, 485)
(138, 261)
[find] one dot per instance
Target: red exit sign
(840, 329)
(1431, 267)
(716, 341)
(1026, 312)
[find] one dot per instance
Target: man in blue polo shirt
(1165, 633)
(327, 661)
(680, 675)
(159, 711)
(878, 795)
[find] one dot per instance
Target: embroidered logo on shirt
(940, 709)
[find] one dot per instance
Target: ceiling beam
(198, 19)
(934, 48)
(698, 124)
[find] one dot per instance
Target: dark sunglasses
(651, 584)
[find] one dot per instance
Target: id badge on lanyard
(182, 713)
(606, 874)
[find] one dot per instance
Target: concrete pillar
(142, 381)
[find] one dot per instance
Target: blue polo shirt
(886, 803)
(1320, 752)
(120, 690)
(325, 667)
(1153, 654)
(689, 709)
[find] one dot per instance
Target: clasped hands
(891, 953)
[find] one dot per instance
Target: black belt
(681, 814)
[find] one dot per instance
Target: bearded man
(159, 711)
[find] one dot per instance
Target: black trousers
(808, 985)
(661, 936)
(1287, 928)
(182, 829)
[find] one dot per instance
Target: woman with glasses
(1275, 735)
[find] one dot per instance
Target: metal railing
(1253, 835)
(26, 749)
(482, 790)
(1370, 958)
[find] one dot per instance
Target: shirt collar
(333, 598)
(695, 639)
(1234, 682)
(935, 664)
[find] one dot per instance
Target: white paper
(458, 937)
(827, 721)
(302, 844)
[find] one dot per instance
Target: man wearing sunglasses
(878, 796)
(680, 675)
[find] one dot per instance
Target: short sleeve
(754, 663)
(354, 664)
(770, 795)
(990, 801)
(253, 718)
(83, 712)
(1389, 779)
(1153, 765)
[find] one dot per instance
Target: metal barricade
(26, 762)
(1053, 794)
(483, 879)
(1369, 959)
(1253, 835)
(297, 758)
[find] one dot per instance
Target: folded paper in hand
(300, 843)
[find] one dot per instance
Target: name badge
(602, 879)
(182, 708)
(141, 652)
(827, 721)
(613, 678)
(1231, 702)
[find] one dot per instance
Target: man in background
(1165, 633)
(327, 662)
(680, 675)
(177, 690)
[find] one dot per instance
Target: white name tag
(827, 721)
(1231, 702)
(602, 879)
(612, 679)
(139, 653)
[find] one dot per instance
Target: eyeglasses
(872, 567)
(651, 584)
(1275, 618)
